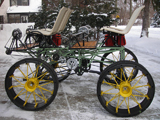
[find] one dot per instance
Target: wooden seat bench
(86, 45)
(27, 46)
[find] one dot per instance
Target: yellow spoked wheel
(31, 84)
(127, 94)
(115, 57)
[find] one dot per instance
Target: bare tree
(130, 8)
(145, 24)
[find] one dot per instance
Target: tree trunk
(130, 8)
(145, 24)
(116, 12)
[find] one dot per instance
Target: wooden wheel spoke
(138, 80)
(44, 98)
(114, 78)
(34, 96)
(114, 57)
(114, 97)
(27, 71)
(37, 70)
(19, 77)
(142, 95)
(122, 72)
(111, 84)
(19, 94)
(105, 92)
(45, 89)
(31, 70)
(135, 100)
(27, 98)
(41, 97)
(113, 75)
(14, 86)
(127, 105)
(126, 55)
(33, 73)
(22, 72)
(118, 105)
(16, 80)
(104, 65)
(142, 86)
(131, 59)
(43, 75)
(130, 74)
(48, 82)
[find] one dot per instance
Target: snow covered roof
(33, 7)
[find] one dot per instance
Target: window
(14, 18)
(19, 2)
(25, 2)
(17, 18)
(13, 2)
(24, 19)
(1, 20)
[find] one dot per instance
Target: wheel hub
(31, 84)
(125, 89)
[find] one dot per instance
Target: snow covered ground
(76, 98)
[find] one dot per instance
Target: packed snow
(76, 98)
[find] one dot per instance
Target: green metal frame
(79, 54)
(49, 49)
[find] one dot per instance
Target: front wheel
(31, 84)
(128, 95)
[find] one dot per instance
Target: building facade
(4, 4)
(17, 11)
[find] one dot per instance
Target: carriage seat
(58, 27)
(59, 24)
(129, 25)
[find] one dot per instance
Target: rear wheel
(60, 66)
(31, 84)
(62, 71)
(115, 57)
(128, 95)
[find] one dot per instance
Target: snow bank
(149, 45)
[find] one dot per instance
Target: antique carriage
(124, 88)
